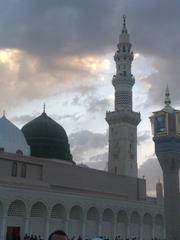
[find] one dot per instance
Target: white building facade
(72, 198)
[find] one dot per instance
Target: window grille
(38, 210)
(17, 209)
(58, 211)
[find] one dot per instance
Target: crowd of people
(32, 237)
(58, 233)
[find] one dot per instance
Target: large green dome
(47, 139)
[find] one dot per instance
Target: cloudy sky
(60, 52)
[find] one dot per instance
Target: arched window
(14, 169)
(23, 170)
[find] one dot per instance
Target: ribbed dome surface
(12, 139)
(47, 138)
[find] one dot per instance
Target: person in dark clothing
(58, 235)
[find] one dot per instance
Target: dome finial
(4, 113)
(44, 108)
(167, 98)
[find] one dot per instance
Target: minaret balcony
(123, 116)
(120, 79)
(120, 57)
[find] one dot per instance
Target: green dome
(47, 139)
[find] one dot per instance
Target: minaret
(123, 120)
(166, 131)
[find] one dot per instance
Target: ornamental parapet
(120, 79)
(119, 56)
(123, 116)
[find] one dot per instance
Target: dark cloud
(99, 161)
(23, 119)
(65, 27)
(55, 35)
(167, 74)
(98, 105)
(88, 139)
(86, 144)
(72, 117)
(78, 27)
(155, 34)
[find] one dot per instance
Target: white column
(26, 226)
(115, 228)
(47, 228)
(141, 229)
(4, 227)
(100, 226)
(164, 231)
(84, 229)
(66, 226)
(128, 229)
(153, 228)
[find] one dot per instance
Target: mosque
(42, 189)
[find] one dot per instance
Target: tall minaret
(166, 136)
(123, 121)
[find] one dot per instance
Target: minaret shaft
(171, 204)
(123, 121)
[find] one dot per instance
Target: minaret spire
(44, 108)
(124, 33)
(167, 96)
(124, 21)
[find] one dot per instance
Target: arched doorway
(75, 221)
(92, 223)
(159, 227)
(108, 223)
(135, 225)
(147, 227)
(122, 224)
(38, 218)
(15, 220)
(58, 218)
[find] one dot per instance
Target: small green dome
(47, 139)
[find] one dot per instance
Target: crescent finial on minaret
(167, 98)
(44, 108)
(124, 20)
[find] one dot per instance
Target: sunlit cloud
(136, 55)
(9, 58)
(90, 64)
